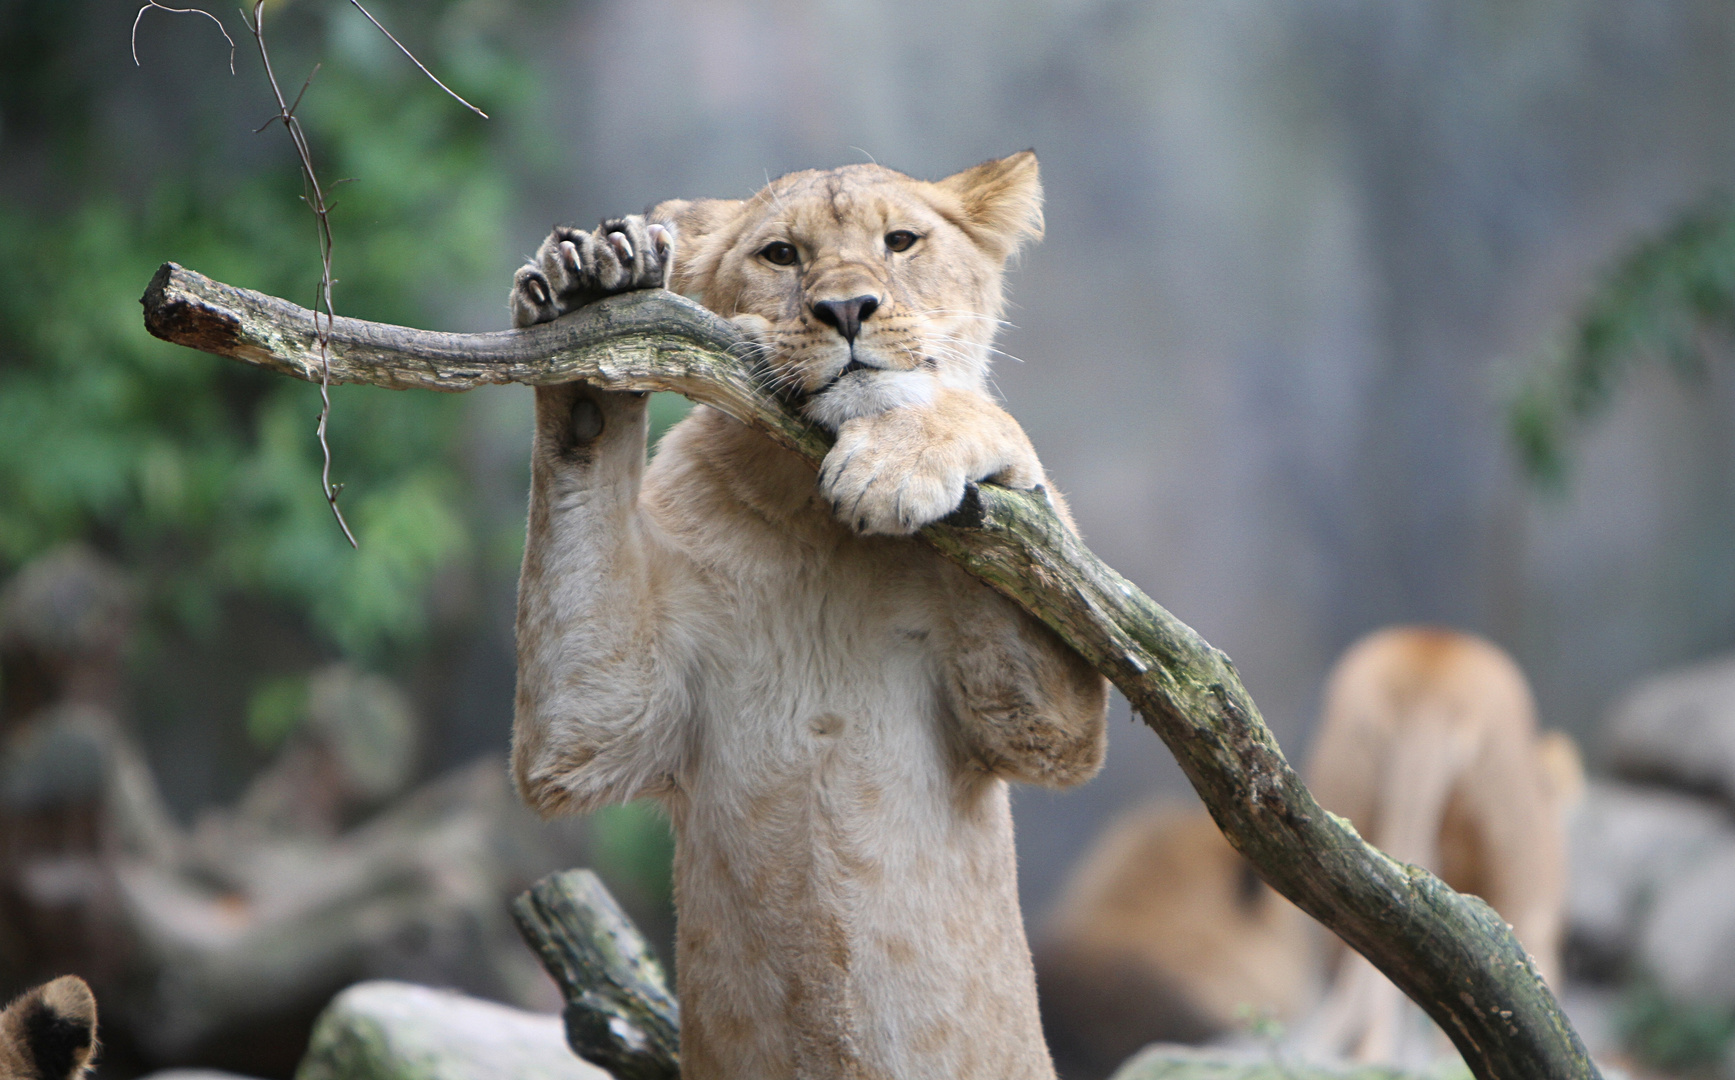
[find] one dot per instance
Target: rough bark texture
(1451, 953)
(619, 1012)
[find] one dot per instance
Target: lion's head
(865, 288)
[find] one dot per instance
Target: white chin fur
(868, 393)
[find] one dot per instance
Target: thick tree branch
(1451, 953)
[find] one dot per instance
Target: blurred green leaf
(276, 709)
(1662, 302)
(1676, 1037)
(634, 845)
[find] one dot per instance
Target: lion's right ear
(1001, 202)
(703, 230)
(49, 1033)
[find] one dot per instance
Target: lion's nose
(846, 315)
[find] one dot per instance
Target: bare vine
(149, 4)
(313, 194)
(455, 95)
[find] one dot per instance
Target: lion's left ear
(1000, 202)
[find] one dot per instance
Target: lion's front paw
(574, 268)
(895, 490)
(896, 471)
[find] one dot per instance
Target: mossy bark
(1451, 953)
(619, 1013)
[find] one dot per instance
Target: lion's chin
(868, 393)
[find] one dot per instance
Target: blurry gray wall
(1297, 254)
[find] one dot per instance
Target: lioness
(828, 709)
(49, 1033)
(1428, 743)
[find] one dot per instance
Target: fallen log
(1450, 953)
(619, 1013)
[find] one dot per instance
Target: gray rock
(1688, 940)
(400, 1031)
(1679, 729)
(1628, 844)
(1164, 1061)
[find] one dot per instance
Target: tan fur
(49, 1033)
(829, 710)
(1429, 745)
(1163, 907)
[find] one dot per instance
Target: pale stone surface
(1688, 940)
(400, 1031)
(1679, 729)
(1628, 844)
(1167, 1062)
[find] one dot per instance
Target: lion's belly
(845, 880)
(846, 886)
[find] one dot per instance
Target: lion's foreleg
(1030, 708)
(600, 692)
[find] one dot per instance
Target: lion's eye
(901, 240)
(778, 253)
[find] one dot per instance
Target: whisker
(956, 313)
(981, 345)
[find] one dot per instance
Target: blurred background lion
(1428, 743)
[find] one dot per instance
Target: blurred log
(619, 1012)
(1450, 953)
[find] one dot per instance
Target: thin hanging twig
(455, 95)
(221, 29)
(314, 196)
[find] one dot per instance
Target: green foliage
(1677, 1038)
(1658, 303)
(199, 473)
(634, 847)
(276, 709)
